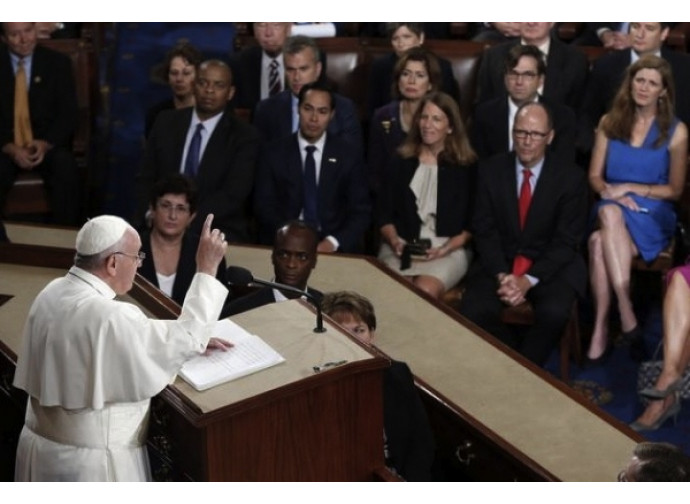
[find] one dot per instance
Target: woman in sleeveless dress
(637, 170)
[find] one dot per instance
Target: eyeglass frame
(521, 134)
(168, 207)
(139, 256)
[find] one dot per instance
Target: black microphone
(237, 275)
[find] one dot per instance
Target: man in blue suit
(277, 117)
(314, 175)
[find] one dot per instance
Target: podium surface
(488, 399)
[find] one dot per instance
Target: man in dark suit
(566, 67)
(259, 71)
(608, 71)
(527, 245)
(38, 136)
(314, 174)
(493, 119)
(277, 117)
(212, 146)
(294, 258)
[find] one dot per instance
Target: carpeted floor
(613, 385)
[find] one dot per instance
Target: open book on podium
(248, 355)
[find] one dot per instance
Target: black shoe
(598, 361)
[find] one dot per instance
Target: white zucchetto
(100, 233)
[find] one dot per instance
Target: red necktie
(521, 263)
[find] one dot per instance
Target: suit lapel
(330, 164)
(509, 196)
(542, 195)
(215, 146)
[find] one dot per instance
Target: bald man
(90, 363)
(209, 144)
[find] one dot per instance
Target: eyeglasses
(264, 26)
(166, 206)
(533, 135)
(623, 476)
(514, 75)
(139, 256)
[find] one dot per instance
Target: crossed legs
(611, 251)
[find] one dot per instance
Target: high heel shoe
(672, 411)
(654, 393)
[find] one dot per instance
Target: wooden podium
(286, 423)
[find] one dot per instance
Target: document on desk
(248, 355)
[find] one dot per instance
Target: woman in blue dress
(637, 170)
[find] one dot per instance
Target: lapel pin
(332, 160)
(37, 79)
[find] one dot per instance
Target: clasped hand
(512, 289)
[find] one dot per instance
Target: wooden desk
(283, 424)
(503, 416)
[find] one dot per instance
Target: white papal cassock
(90, 365)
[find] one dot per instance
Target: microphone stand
(310, 297)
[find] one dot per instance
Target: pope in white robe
(90, 364)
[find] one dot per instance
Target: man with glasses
(493, 119)
(90, 363)
(529, 221)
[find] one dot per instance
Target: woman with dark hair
(168, 243)
(424, 201)
(403, 36)
(415, 74)
(637, 170)
(408, 440)
(181, 64)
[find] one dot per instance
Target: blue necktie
(191, 164)
(310, 190)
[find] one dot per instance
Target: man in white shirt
(209, 144)
(259, 70)
(90, 363)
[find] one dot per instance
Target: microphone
(241, 276)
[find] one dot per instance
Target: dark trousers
(61, 178)
(552, 302)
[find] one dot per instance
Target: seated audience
(408, 440)
(664, 396)
(181, 64)
(277, 117)
(415, 74)
(529, 221)
(426, 195)
(169, 244)
(259, 70)
(609, 70)
(210, 145)
(523, 77)
(637, 170)
(660, 462)
(403, 36)
(294, 258)
(38, 117)
(566, 67)
(314, 175)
